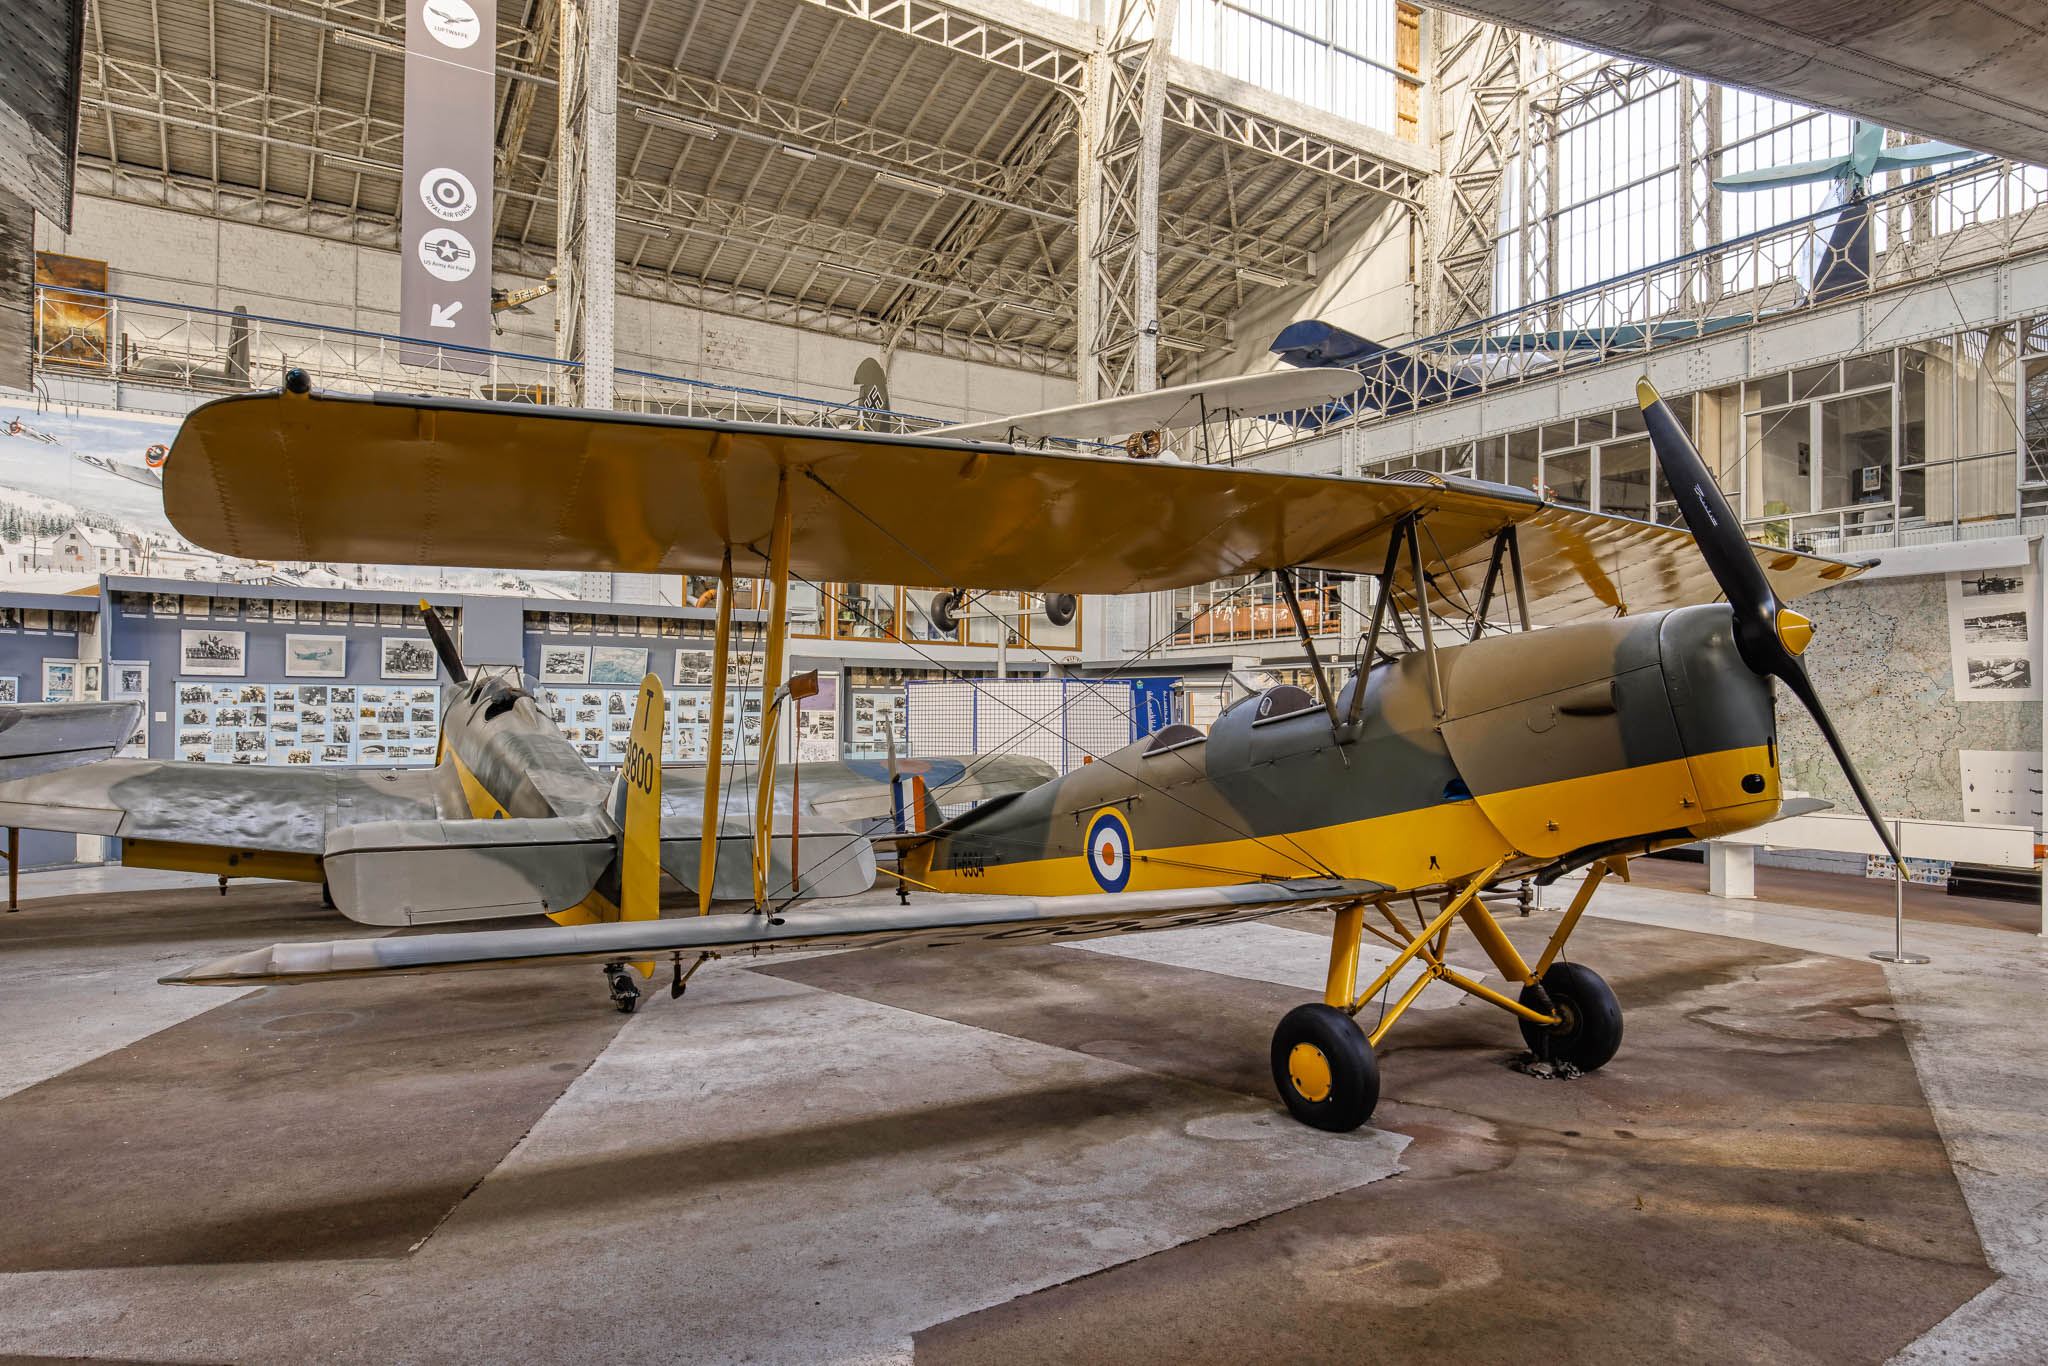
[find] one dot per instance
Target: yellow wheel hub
(1309, 1070)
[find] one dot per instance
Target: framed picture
(618, 663)
(89, 681)
(316, 656)
(565, 663)
(10, 689)
(60, 680)
(224, 653)
(409, 657)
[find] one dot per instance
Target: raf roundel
(1109, 850)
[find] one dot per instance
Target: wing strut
(721, 653)
(1308, 644)
(778, 633)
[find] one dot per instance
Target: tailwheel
(1325, 1069)
(625, 993)
(1589, 1028)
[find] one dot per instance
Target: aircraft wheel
(1591, 1028)
(1325, 1069)
(326, 895)
(625, 995)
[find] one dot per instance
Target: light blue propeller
(1867, 157)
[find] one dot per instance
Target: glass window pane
(1041, 632)
(917, 616)
(2036, 414)
(1596, 428)
(1864, 371)
(1491, 459)
(1984, 401)
(1625, 478)
(863, 611)
(1629, 421)
(994, 617)
(1856, 449)
(1816, 380)
(1570, 477)
(1558, 435)
(806, 608)
(1781, 450)
(1523, 467)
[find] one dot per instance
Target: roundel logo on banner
(452, 22)
(1109, 850)
(447, 254)
(448, 194)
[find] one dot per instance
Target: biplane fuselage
(1559, 745)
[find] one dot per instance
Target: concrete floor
(1045, 1154)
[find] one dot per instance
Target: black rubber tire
(1060, 608)
(1354, 1087)
(625, 992)
(944, 613)
(1591, 1031)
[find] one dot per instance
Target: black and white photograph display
(315, 656)
(565, 663)
(409, 657)
(222, 653)
(1994, 637)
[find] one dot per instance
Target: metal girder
(971, 35)
(1118, 343)
(586, 197)
(520, 95)
(1480, 67)
(1254, 132)
(1026, 167)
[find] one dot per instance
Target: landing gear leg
(625, 995)
(223, 884)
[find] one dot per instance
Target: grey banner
(444, 292)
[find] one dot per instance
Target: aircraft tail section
(631, 887)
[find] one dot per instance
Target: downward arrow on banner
(444, 315)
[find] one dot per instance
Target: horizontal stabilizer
(424, 872)
(928, 923)
(831, 860)
(44, 737)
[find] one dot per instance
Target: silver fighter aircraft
(509, 821)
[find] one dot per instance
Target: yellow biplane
(1639, 717)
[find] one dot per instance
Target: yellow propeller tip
(423, 606)
(1646, 392)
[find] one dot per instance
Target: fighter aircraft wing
(396, 479)
(1280, 391)
(926, 923)
(43, 737)
(217, 806)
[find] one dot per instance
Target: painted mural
(66, 474)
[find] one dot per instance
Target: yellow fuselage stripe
(1433, 844)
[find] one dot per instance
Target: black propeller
(1769, 635)
(444, 645)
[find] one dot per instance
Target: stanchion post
(1897, 953)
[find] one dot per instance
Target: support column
(1119, 192)
(1731, 870)
(721, 656)
(771, 679)
(586, 198)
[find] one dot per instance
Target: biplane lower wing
(285, 476)
(931, 924)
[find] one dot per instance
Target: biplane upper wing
(1276, 391)
(928, 924)
(439, 481)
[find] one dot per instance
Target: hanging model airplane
(16, 427)
(1642, 719)
(1401, 379)
(510, 820)
(149, 473)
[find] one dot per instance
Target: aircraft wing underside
(360, 478)
(926, 923)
